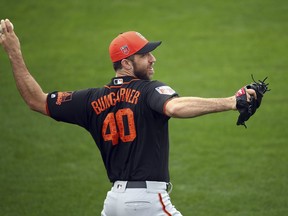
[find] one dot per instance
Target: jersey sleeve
(158, 94)
(70, 107)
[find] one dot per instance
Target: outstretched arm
(29, 89)
(189, 107)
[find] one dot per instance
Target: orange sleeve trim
(164, 106)
(47, 109)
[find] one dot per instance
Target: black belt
(136, 184)
(140, 184)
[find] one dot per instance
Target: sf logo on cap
(125, 49)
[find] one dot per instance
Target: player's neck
(122, 72)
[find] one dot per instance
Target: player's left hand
(249, 98)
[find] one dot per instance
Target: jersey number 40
(119, 125)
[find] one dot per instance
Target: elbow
(173, 111)
(170, 112)
(37, 106)
(172, 108)
(32, 104)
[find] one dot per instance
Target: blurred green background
(210, 49)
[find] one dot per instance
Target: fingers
(246, 94)
(8, 39)
(251, 92)
(3, 27)
(9, 25)
(6, 26)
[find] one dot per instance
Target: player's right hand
(8, 38)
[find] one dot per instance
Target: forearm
(189, 107)
(28, 88)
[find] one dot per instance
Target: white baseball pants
(153, 200)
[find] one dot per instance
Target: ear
(126, 64)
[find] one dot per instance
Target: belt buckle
(169, 187)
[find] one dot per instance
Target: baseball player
(127, 118)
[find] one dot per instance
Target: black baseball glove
(245, 108)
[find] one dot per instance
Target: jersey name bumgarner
(123, 95)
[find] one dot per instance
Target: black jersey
(127, 121)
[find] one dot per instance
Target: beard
(141, 73)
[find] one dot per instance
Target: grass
(210, 49)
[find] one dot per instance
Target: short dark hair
(117, 65)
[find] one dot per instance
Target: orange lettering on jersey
(123, 95)
(131, 96)
(128, 93)
(134, 100)
(102, 103)
(63, 97)
(111, 98)
(96, 108)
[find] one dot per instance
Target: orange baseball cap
(130, 43)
